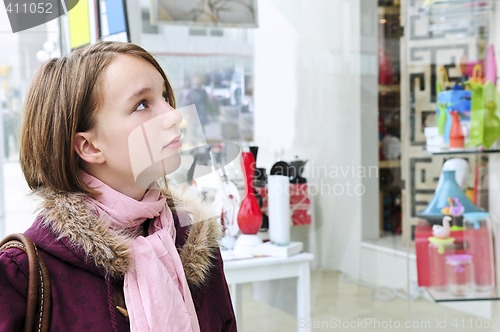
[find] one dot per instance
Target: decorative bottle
(249, 215)
(449, 189)
(456, 133)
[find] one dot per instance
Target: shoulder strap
(39, 303)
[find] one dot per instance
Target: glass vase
(249, 214)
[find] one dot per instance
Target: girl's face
(134, 121)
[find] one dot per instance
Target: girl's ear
(86, 149)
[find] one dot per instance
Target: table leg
(236, 298)
(304, 298)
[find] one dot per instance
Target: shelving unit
(480, 158)
(389, 89)
(390, 163)
(453, 34)
(465, 151)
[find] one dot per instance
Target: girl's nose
(170, 117)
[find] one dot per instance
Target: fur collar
(69, 217)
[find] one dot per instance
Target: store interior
(342, 97)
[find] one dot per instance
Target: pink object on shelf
(491, 65)
(460, 274)
(438, 250)
(480, 248)
(385, 73)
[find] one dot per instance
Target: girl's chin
(157, 171)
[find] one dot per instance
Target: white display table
(240, 271)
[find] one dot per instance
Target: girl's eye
(141, 106)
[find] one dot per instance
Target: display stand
(443, 295)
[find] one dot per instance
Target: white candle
(279, 209)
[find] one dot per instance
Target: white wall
(308, 100)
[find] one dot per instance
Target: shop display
(457, 139)
(283, 196)
(455, 101)
(478, 236)
(460, 275)
(228, 200)
(442, 231)
(296, 169)
(249, 214)
(449, 199)
(459, 264)
(484, 121)
(260, 185)
(438, 249)
(280, 168)
(259, 182)
(389, 117)
(466, 113)
(300, 200)
(385, 74)
(454, 245)
(279, 209)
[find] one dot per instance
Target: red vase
(385, 73)
(249, 215)
(456, 133)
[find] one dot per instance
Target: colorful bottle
(456, 133)
(249, 215)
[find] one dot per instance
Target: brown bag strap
(39, 303)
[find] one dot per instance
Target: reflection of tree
(213, 9)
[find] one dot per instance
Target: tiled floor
(342, 304)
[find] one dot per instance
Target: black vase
(296, 169)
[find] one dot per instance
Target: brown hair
(62, 100)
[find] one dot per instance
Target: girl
(118, 255)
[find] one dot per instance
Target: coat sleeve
(213, 301)
(13, 289)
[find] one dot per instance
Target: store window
(210, 67)
(10, 106)
(221, 88)
(26, 51)
(389, 117)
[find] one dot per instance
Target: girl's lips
(176, 143)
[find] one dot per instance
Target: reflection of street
(223, 96)
(19, 206)
(232, 124)
(213, 130)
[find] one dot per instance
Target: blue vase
(448, 190)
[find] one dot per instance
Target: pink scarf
(156, 290)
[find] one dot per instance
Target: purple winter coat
(87, 262)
